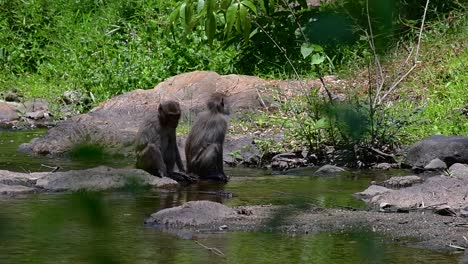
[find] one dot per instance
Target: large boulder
(113, 124)
(100, 178)
(94, 179)
(449, 149)
(194, 213)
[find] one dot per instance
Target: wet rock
(449, 149)
(371, 192)
(401, 181)
(329, 170)
(286, 161)
(7, 113)
(459, 170)
(15, 189)
(101, 178)
(192, 214)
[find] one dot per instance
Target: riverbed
(108, 227)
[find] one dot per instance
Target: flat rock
(371, 191)
(15, 189)
(18, 178)
(459, 170)
(433, 192)
(100, 178)
(449, 149)
(194, 213)
(398, 182)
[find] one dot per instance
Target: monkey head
(216, 103)
(169, 113)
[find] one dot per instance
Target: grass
(440, 84)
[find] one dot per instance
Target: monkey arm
(178, 160)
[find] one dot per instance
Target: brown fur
(204, 145)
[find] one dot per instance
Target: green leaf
(225, 4)
(210, 6)
(182, 8)
(302, 3)
(243, 16)
(306, 50)
(174, 15)
(200, 5)
(250, 5)
(247, 26)
(210, 27)
(317, 59)
(230, 18)
(321, 123)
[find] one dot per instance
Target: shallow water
(108, 227)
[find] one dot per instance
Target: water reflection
(13, 160)
(108, 227)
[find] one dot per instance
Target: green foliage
(101, 48)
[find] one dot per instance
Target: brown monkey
(156, 146)
(204, 145)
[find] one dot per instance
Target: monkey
(156, 146)
(204, 144)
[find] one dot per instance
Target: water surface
(107, 227)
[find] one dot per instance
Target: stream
(107, 227)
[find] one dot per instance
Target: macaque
(156, 146)
(204, 145)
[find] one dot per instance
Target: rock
(449, 149)
(444, 210)
(459, 170)
(329, 170)
(12, 97)
(286, 161)
(371, 191)
(15, 189)
(432, 192)
(18, 178)
(7, 113)
(72, 97)
(37, 105)
(401, 181)
(464, 211)
(241, 151)
(192, 214)
(35, 115)
(383, 166)
(100, 178)
(114, 123)
(436, 165)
